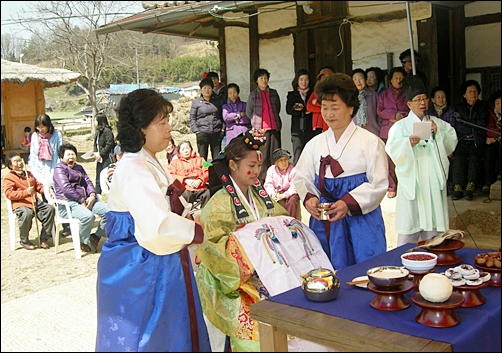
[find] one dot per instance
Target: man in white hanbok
(421, 168)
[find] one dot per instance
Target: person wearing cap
(345, 167)
(405, 58)
(279, 182)
(118, 152)
(314, 107)
(421, 167)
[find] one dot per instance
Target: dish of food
(488, 260)
(487, 269)
(419, 262)
(361, 278)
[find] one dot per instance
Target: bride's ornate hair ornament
(255, 139)
(252, 139)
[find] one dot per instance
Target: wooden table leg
(272, 340)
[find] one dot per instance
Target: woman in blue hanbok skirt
(345, 166)
(146, 293)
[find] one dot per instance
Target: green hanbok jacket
(226, 280)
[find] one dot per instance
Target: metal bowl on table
(388, 277)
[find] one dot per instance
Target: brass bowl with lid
(320, 285)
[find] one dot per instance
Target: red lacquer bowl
(438, 315)
(471, 294)
(494, 272)
(446, 252)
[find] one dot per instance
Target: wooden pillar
(222, 49)
(254, 49)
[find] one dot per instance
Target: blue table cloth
(478, 331)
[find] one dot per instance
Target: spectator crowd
(356, 138)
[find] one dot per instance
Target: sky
(10, 9)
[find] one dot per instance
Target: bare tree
(12, 47)
(68, 37)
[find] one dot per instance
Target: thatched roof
(23, 73)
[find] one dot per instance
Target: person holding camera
(301, 119)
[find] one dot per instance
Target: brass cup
(323, 207)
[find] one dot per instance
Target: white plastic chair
(59, 221)
(12, 224)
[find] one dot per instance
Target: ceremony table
(350, 323)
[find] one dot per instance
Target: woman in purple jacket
(234, 114)
(72, 183)
(391, 107)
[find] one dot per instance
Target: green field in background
(63, 115)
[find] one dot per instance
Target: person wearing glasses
(421, 167)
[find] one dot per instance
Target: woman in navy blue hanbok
(146, 293)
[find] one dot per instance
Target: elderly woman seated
(190, 172)
(72, 183)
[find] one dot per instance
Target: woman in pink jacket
(279, 182)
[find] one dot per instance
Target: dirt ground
(24, 272)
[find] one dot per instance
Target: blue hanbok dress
(147, 297)
(354, 170)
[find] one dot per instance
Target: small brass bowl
(388, 277)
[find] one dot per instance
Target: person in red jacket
(190, 172)
(21, 187)
(318, 124)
